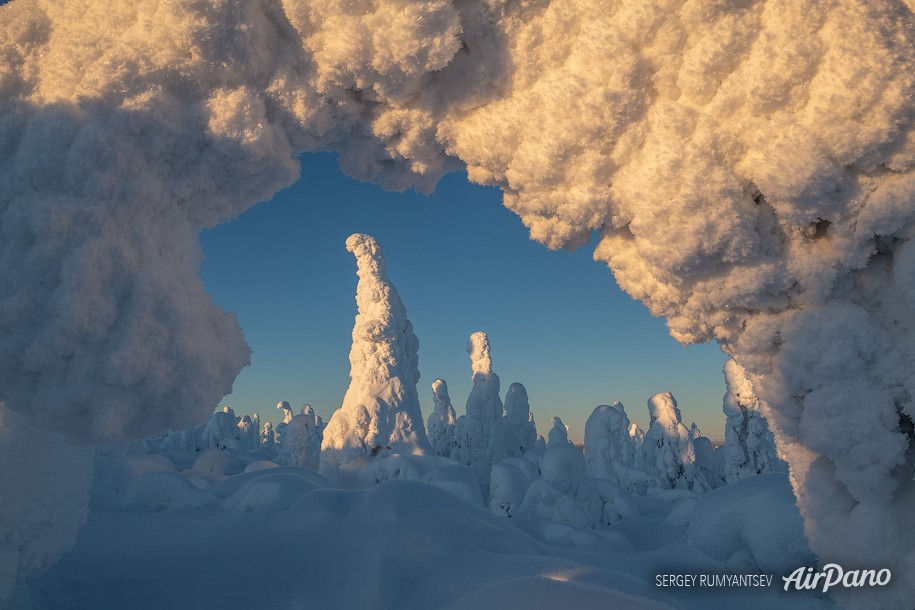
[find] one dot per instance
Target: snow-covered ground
(286, 537)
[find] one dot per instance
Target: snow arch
(748, 166)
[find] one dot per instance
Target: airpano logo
(833, 575)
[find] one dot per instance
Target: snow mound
(755, 517)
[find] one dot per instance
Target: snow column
(380, 411)
(481, 436)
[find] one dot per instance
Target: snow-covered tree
(480, 435)
(519, 421)
(668, 449)
(558, 434)
(565, 492)
(280, 430)
(301, 444)
(221, 430)
(248, 435)
(268, 437)
(380, 411)
(608, 442)
(636, 434)
(705, 457)
(749, 447)
(440, 427)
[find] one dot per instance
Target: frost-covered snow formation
(519, 421)
(668, 449)
(481, 435)
(301, 444)
(749, 447)
(771, 141)
(440, 426)
(380, 410)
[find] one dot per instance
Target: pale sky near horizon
(461, 262)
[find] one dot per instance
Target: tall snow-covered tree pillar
(380, 411)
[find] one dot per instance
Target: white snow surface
(402, 532)
(380, 410)
(748, 166)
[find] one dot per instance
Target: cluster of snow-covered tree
(518, 473)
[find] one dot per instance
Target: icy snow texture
(748, 165)
(440, 427)
(380, 410)
(481, 435)
(44, 498)
(749, 447)
(520, 426)
(668, 449)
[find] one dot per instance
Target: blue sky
(557, 322)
